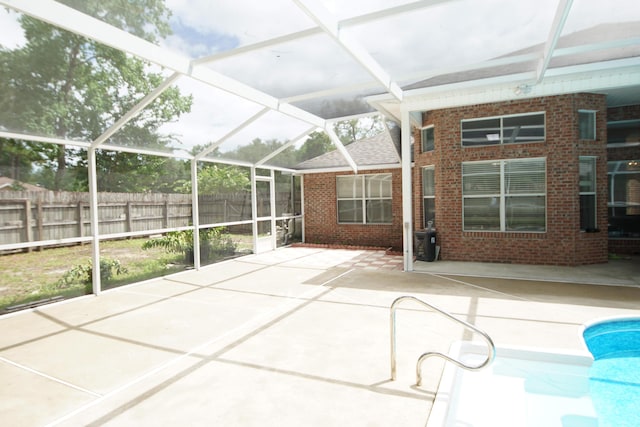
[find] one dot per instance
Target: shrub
(83, 273)
(213, 243)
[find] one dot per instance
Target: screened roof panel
(259, 138)
(50, 78)
(463, 33)
(585, 14)
(309, 64)
(212, 114)
(343, 104)
(310, 61)
(198, 28)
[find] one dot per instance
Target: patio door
(264, 229)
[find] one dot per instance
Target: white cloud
(11, 34)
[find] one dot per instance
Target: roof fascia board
(363, 168)
(564, 6)
(149, 98)
(614, 44)
(331, 26)
(556, 82)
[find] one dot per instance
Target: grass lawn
(27, 277)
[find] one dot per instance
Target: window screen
(504, 195)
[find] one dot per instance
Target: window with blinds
(512, 129)
(588, 194)
(364, 199)
(429, 196)
(504, 195)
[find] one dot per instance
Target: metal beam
(564, 6)
(237, 129)
(340, 146)
(148, 99)
(330, 25)
(285, 146)
(77, 22)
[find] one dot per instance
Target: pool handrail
(491, 346)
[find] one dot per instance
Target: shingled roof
(7, 184)
(378, 150)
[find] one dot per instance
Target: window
(588, 194)
(624, 198)
(428, 140)
(429, 196)
(503, 130)
(504, 195)
(587, 124)
(364, 199)
(623, 132)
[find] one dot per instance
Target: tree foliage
(72, 88)
(356, 129)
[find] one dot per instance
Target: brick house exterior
(321, 217)
(562, 242)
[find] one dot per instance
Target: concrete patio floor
(298, 336)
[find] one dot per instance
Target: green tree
(214, 178)
(16, 159)
(317, 144)
(356, 129)
(72, 88)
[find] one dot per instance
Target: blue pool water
(614, 377)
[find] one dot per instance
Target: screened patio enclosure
(141, 105)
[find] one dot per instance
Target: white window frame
(430, 196)
(365, 196)
(499, 135)
(422, 138)
(593, 130)
(502, 196)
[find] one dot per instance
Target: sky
(410, 45)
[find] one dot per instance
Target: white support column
(93, 209)
(195, 214)
(407, 193)
(302, 222)
(254, 209)
(272, 194)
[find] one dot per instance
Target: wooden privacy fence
(32, 216)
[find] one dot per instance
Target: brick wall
(321, 216)
(563, 243)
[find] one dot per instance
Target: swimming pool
(614, 377)
(529, 387)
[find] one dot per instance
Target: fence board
(32, 216)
